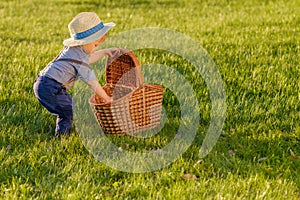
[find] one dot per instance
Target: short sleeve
(86, 74)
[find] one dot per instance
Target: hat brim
(70, 42)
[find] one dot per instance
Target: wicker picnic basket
(136, 106)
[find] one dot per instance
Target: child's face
(91, 47)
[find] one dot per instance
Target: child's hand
(97, 55)
(109, 52)
(96, 87)
(109, 99)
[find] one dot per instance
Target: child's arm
(98, 55)
(96, 87)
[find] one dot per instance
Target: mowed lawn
(255, 45)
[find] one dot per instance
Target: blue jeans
(56, 100)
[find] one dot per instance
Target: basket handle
(139, 76)
(138, 72)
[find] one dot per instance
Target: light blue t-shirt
(64, 71)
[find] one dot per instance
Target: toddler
(50, 87)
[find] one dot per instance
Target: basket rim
(91, 102)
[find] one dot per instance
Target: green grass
(255, 45)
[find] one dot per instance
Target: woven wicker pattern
(136, 106)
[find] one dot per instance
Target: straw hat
(85, 28)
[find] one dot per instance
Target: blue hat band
(88, 32)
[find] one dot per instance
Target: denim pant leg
(56, 100)
(65, 112)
